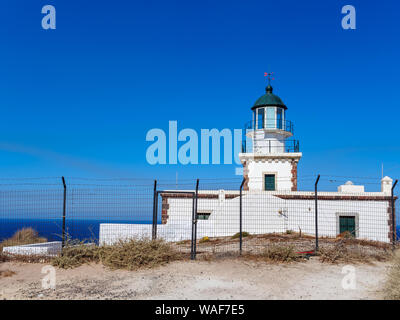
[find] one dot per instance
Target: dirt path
(225, 279)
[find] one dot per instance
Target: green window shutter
(347, 223)
(269, 182)
(342, 224)
(351, 225)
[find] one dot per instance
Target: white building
(270, 201)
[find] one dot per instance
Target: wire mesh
(105, 211)
(175, 218)
(30, 215)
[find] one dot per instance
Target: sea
(51, 229)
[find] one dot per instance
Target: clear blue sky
(79, 100)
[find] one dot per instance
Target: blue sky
(79, 100)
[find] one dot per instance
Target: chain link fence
(198, 217)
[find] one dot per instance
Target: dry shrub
(237, 235)
(277, 237)
(130, 255)
(21, 237)
(182, 242)
(392, 284)
(334, 254)
(348, 250)
(6, 273)
(138, 253)
(366, 243)
(3, 257)
(76, 254)
(345, 235)
(277, 253)
(204, 239)
(33, 258)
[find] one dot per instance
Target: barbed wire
(303, 182)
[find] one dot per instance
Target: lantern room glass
(260, 118)
(279, 118)
(271, 119)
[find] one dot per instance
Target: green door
(347, 223)
(269, 182)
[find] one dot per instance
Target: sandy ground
(223, 279)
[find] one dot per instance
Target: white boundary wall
(41, 249)
(263, 212)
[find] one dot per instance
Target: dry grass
(237, 235)
(183, 242)
(339, 253)
(392, 284)
(333, 250)
(204, 239)
(145, 253)
(130, 255)
(137, 254)
(21, 237)
(350, 250)
(34, 258)
(76, 254)
(3, 257)
(278, 237)
(6, 273)
(278, 253)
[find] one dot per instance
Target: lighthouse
(270, 159)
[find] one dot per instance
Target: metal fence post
(316, 213)
(64, 212)
(241, 218)
(194, 225)
(393, 215)
(195, 218)
(155, 209)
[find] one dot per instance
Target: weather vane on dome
(269, 76)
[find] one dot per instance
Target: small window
(202, 215)
(271, 118)
(269, 182)
(260, 118)
(279, 118)
(347, 224)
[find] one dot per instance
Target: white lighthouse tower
(270, 163)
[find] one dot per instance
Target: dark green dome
(269, 99)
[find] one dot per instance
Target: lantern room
(269, 128)
(269, 114)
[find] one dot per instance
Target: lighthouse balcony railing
(269, 124)
(270, 147)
